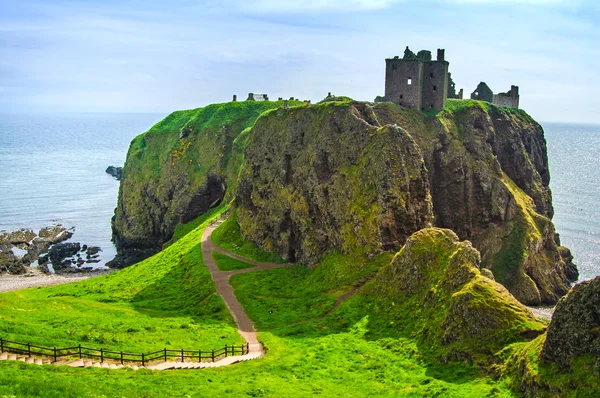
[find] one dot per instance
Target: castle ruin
(416, 81)
(509, 99)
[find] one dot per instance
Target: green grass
(228, 236)
(226, 263)
(167, 300)
(329, 355)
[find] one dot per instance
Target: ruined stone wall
(509, 99)
(435, 83)
(403, 82)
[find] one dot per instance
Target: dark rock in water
(92, 250)
(35, 250)
(92, 260)
(80, 262)
(43, 260)
(59, 252)
(574, 331)
(116, 172)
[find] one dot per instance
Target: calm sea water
(573, 153)
(52, 170)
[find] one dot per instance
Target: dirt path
(221, 280)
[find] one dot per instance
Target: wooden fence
(28, 349)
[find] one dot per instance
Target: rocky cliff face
(346, 176)
(176, 171)
(321, 178)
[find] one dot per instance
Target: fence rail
(80, 351)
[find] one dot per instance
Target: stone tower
(416, 81)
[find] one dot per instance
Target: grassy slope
(310, 352)
(228, 237)
(166, 300)
(225, 263)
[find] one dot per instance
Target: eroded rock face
(436, 278)
(320, 179)
(574, 331)
(176, 172)
(310, 184)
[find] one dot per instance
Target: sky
(151, 56)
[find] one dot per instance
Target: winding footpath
(221, 280)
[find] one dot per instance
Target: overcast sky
(150, 56)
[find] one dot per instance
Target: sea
(52, 170)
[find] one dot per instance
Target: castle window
(409, 81)
(431, 74)
(393, 67)
(434, 88)
(401, 96)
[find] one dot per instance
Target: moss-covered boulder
(574, 333)
(346, 175)
(434, 291)
(176, 171)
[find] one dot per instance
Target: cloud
(310, 6)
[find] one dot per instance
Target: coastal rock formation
(177, 171)
(312, 184)
(574, 332)
(434, 290)
(344, 175)
(116, 172)
(22, 248)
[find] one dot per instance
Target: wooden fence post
(29, 349)
(143, 360)
(165, 354)
(54, 354)
(213, 355)
(225, 350)
(101, 355)
(80, 353)
(121, 357)
(199, 355)
(2, 344)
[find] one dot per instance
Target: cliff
(350, 176)
(178, 170)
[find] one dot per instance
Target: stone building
(417, 81)
(483, 93)
(509, 99)
(257, 97)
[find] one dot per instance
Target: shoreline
(35, 278)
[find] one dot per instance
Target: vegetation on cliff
(178, 170)
(347, 176)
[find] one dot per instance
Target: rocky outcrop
(346, 175)
(574, 332)
(434, 290)
(116, 172)
(312, 184)
(22, 248)
(177, 171)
